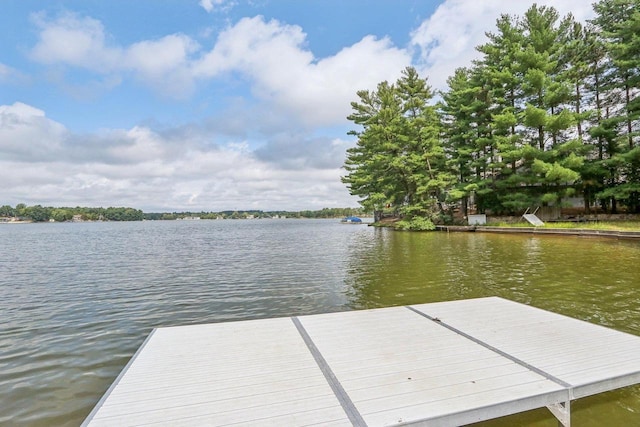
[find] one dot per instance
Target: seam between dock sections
(495, 350)
(345, 401)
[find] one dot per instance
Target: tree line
(549, 113)
(259, 214)
(38, 213)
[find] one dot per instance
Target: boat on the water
(351, 220)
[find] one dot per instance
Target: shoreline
(580, 232)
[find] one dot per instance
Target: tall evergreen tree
(619, 22)
(369, 164)
(425, 156)
(548, 164)
(458, 122)
(501, 81)
(551, 109)
(470, 145)
(593, 65)
(398, 159)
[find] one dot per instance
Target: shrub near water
(416, 224)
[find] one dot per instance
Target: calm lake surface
(78, 299)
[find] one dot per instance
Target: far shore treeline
(549, 115)
(40, 213)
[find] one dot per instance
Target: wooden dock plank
(307, 410)
(577, 352)
(389, 337)
(188, 374)
(442, 364)
(456, 412)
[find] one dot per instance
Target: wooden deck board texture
(586, 356)
(437, 364)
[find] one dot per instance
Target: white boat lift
(438, 364)
(532, 218)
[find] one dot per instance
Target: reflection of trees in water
(589, 279)
(410, 268)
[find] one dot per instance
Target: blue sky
(209, 105)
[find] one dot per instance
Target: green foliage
(517, 201)
(622, 191)
(39, 213)
(550, 110)
(416, 224)
(549, 198)
(554, 172)
(61, 215)
(534, 117)
(504, 121)
(399, 159)
(7, 211)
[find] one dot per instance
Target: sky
(210, 105)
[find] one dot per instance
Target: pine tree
(425, 156)
(501, 81)
(398, 159)
(551, 109)
(470, 146)
(619, 23)
(369, 163)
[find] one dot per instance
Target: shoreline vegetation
(23, 214)
(621, 229)
(628, 227)
(547, 117)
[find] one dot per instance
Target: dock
(437, 364)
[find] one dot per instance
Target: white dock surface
(439, 364)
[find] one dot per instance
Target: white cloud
(74, 40)
(207, 5)
(5, 72)
(299, 152)
(447, 40)
(27, 134)
(10, 75)
(270, 55)
(164, 63)
(282, 71)
(82, 42)
(44, 163)
(211, 5)
(181, 168)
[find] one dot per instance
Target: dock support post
(562, 411)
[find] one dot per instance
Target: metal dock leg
(562, 411)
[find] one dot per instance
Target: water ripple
(79, 299)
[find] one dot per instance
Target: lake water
(78, 299)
